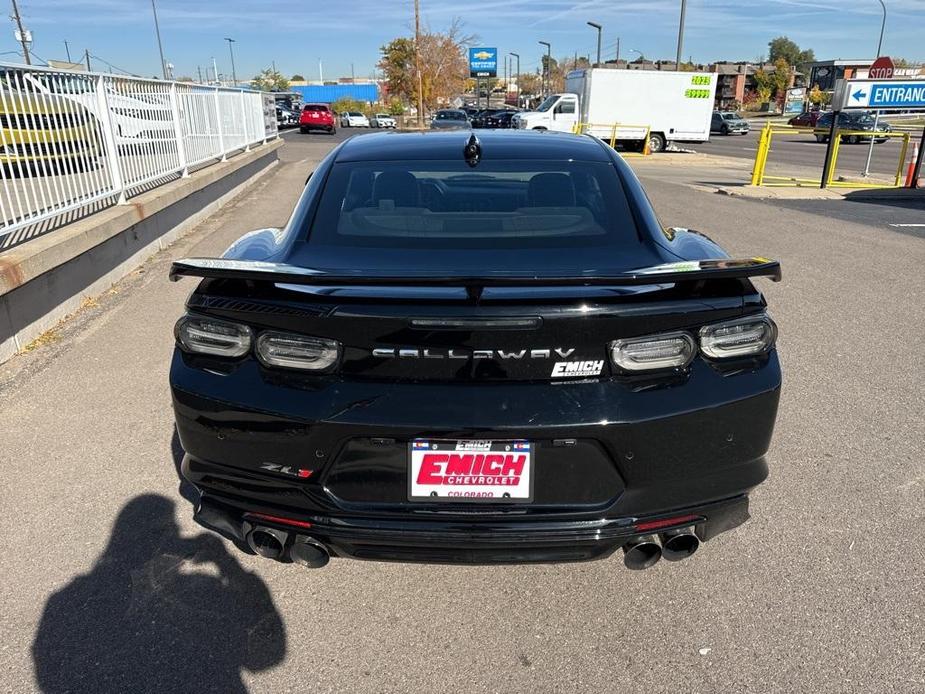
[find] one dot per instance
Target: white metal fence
(74, 142)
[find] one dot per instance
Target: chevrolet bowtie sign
(483, 62)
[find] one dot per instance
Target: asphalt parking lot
(110, 586)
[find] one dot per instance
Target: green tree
(443, 65)
(297, 78)
(397, 63)
(764, 85)
(780, 78)
(396, 107)
(347, 104)
(270, 80)
(782, 47)
(818, 97)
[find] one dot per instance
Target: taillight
(297, 351)
(654, 352)
(738, 338)
(212, 336)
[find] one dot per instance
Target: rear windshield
(451, 115)
(447, 205)
(315, 107)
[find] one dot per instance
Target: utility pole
(214, 69)
(417, 62)
(22, 34)
(87, 56)
(353, 74)
(67, 50)
(234, 75)
(320, 72)
(618, 51)
(199, 70)
(160, 48)
(677, 64)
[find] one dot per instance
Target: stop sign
(882, 69)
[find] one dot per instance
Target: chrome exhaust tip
(309, 552)
(679, 544)
(642, 553)
(267, 542)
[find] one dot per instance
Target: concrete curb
(47, 278)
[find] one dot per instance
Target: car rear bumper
(334, 453)
(460, 542)
(316, 126)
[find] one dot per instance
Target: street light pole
(160, 48)
(870, 149)
(517, 78)
(618, 51)
(599, 28)
(234, 75)
(546, 67)
(417, 64)
(677, 64)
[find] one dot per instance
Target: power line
(114, 67)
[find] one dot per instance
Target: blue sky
(296, 33)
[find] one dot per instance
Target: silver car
(450, 119)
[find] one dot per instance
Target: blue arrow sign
(907, 95)
(858, 95)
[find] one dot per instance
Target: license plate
(478, 471)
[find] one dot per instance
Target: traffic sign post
(882, 69)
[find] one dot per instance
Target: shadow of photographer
(158, 612)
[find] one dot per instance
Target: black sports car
(474, 349)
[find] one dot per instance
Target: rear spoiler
(683, 271)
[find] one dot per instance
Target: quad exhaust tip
(679, 544)
(642, 553)
(267, 542)
(309, 552)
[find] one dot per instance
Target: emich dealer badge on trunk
(470, 471)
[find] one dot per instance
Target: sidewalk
(731, 176)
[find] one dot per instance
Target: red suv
(317, 117)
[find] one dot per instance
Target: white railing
(72, 143)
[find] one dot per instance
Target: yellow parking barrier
(582, 128)
(760, 178)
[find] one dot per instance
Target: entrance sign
(874, 94)
(483, 62)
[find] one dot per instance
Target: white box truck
(620, 105)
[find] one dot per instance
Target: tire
(656, 143)
(539, 127)
(332, 131)
(724, 130)
(821, 138)
(854, 139)
(302, 130)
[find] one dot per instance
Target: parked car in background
(44, 134)
(450, 119)
(486, 117)
(317, 117)
(807, 119)
(856, 121)
(501, 119)
(382, 120)
(286, 118)
(471, 111)
(353, 119)
(137, 115)
(728, 123)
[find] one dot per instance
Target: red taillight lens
(278, 519)
(646, 526)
